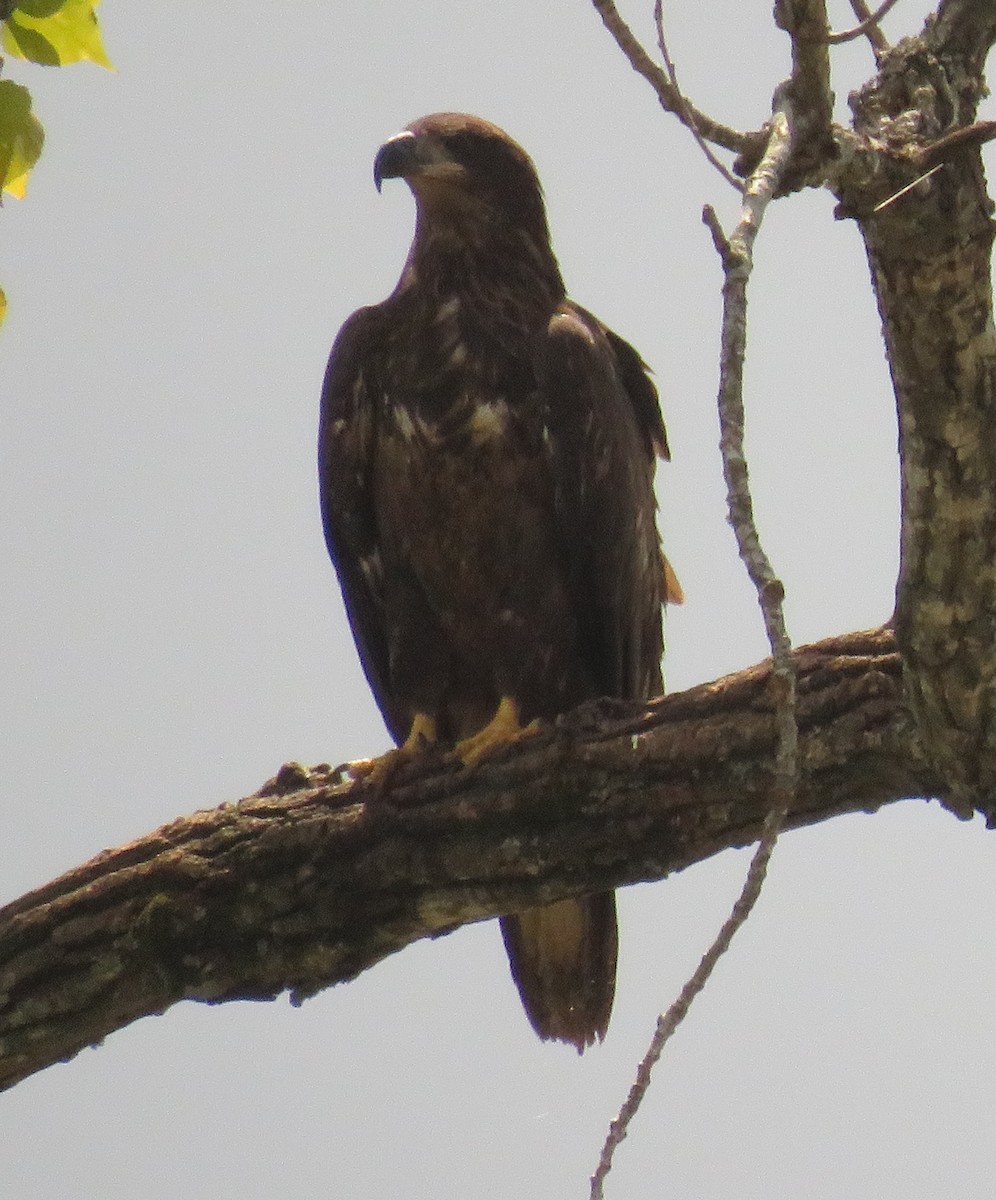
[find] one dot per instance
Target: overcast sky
(201, 223)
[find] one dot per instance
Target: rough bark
(313, 880)
(929, 252)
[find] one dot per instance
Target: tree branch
(736, 253)
(964, 32)
(807, 93)
(928, 237)
(313, 880)
(869, 22)
(671, 100)
(683, 103)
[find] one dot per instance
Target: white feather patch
(489, 421)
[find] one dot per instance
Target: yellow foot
(503, 728)
(380, 771)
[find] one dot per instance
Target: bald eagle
(486, 460)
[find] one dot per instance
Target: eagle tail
(563, 960)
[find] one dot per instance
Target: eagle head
(462, 169)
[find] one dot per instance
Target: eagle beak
(397, 158)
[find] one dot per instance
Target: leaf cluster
(51, 33)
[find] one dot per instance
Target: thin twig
(907, 189)
(668, 1022)
(967, 135)
(736, 253)
(868, 24)
(670, 100)
(685, 107)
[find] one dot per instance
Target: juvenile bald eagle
(486, 461)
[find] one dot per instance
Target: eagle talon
(362, 768)
(378, 773)
(503, 729)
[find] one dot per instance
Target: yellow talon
(503, 728)
(379, 771)
(423, 730)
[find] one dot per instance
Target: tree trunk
(929, 254)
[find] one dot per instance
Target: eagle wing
(601, 429)
(346, 444)
(604, 430)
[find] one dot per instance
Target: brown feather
(563, 959)
(486, 460)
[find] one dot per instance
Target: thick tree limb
(806, 23)
(929, 248)
(313, 880)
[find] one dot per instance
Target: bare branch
(668, 96)
(876, 37)
(814, 149)
(964, 137)
(736, 254)
(312, 881)
(868, 25)
(683, 101)
(805, 21)
(738, 262)
(669, 1021)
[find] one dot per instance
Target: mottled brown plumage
(486, 459)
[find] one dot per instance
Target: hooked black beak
(397, 158)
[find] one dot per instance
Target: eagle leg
(380, 771)
(503, 728)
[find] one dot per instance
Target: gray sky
(199, 226)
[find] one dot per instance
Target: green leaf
(55, 32)
(3, 306)
(21, 137)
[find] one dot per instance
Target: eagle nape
(487, 451)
